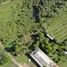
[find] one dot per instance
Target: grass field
(64, 62)
(24, 59)
(57, 27)
(9, 64)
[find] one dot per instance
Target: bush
(3, 57)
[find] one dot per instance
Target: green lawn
(63, 62)
(24, 59)
(9, 64)
(57, 26)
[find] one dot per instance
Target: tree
(16, 49)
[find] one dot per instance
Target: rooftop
(42, 59)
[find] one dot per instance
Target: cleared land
(57, 27)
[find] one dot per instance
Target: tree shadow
(7, 49)
(10, 49)
(36, 14)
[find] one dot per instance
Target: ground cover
(57, 27)
(24, 59)
(9, 29)
(8, 64)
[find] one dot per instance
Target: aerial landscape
(33, 33)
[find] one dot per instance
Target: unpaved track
(15, 62)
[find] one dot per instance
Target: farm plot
(57, 27)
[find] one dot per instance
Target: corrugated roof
(42, 59)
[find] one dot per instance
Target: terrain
(24, 25)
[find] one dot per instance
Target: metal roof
(42, 59)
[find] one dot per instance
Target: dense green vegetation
(3, 57)
(57, 27)
(24, 24)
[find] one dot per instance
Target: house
(42, 59)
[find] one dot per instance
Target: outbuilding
(42, 59)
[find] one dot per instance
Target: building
(42, 59)
(65, 52)
(50, 37)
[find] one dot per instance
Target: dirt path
(16, 62)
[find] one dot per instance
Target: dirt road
(16, 62)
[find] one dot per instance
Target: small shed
(65, 52)
(50, 37)
(42, 59)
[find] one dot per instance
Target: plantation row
(59, 28)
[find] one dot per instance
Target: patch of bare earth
(25, 65)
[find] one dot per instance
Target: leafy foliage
(22, 27)
(3, 57)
